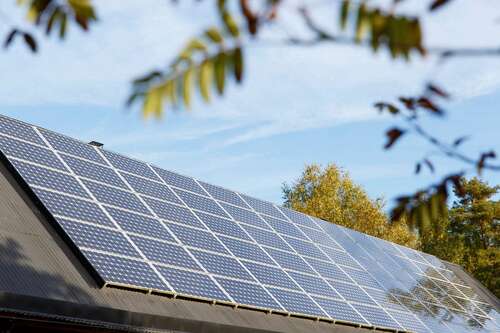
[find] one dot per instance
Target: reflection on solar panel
(147, 228)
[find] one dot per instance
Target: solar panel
(144, 227)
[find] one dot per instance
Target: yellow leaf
(220, 72)
(152, 102)
(187, 84)
(205, 78)
(361, 22)
(214, 35)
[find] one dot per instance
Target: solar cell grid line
(290, 261)
(109, 217)
(19, 130)
(201, 203)
(179, 181)
(305, 248)
(127, 164)
(222, 194)
(150, 188)
(298, 218)
(173, 213)
(363, 278)
(222, 265)
(95, 238)
(385, 299)
(202, 239)
(93, 171)
(115, 197)
(262, 206)
(140, 224)
(222, 226)
(267, 238)
(125, 272)
(165, 253)
(341, 258)
(271, 275)
(69, 145)
(409, 321)
(351, 292)
(298, 303)
(314, 285)
(340, 311)
(284, 227)
(329, 270)
(377, 316)
(50, 179)
(251, 294)
(320, 238)
(30, 152)
(246, 250)
(245, 216)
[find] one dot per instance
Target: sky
(296, 106)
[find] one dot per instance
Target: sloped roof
(42, 279)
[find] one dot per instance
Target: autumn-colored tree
(470, 236)
(330, 194)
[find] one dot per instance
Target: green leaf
(344, 13)
(53, 18)
(187, 84)
(361, 22)
(238, 64)
(214, 35)
(205, 78)
(62, 25)
(230, 24)
(220, 72)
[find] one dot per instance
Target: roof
(40, 277)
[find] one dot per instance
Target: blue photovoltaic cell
(191, 283)
(320, 238)
(29, 152)
(222, 265)
(125, 271)
(376, 316)
(198, 202)
(283, 227)
(351, 292)
(314, 285)
(341, 258)
(222, 226)
(180, 181)
(222, 194)
(93, 171)
(409, 321)
(299, 218)
(60, 204)
(113, 196)
(197, 238)
(19, 130)
(340, 310)
(290, 261)
(96, 238)
(305, 248)
(53, 180)
(296, 302)
(72, 146)
(385, 299)
(170, 212)
(248, 293)
(267, 238)
(269, 275)
(263, 207)
(130, 165)
(139, 224)
(328, 270)
(363, 278)
(165, 253)
(245, 216)
(246, 250)
(151, 188)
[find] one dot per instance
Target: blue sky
(297, 105)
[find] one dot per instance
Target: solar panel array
(147, 228)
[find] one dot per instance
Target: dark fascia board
(60, 312)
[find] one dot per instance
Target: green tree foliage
(470, 236)
(330, 194)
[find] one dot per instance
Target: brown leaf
(429, 165)
(393, 135)
(381, 106)
(418, 167)
(482, 160)
(10, 37)
(436, 4)
(30, 41)
(250, 16)
(459, 141)
(408, 102)
(437, 91)
(427, 104)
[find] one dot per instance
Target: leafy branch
(52, 16)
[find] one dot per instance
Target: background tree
(330, 194)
